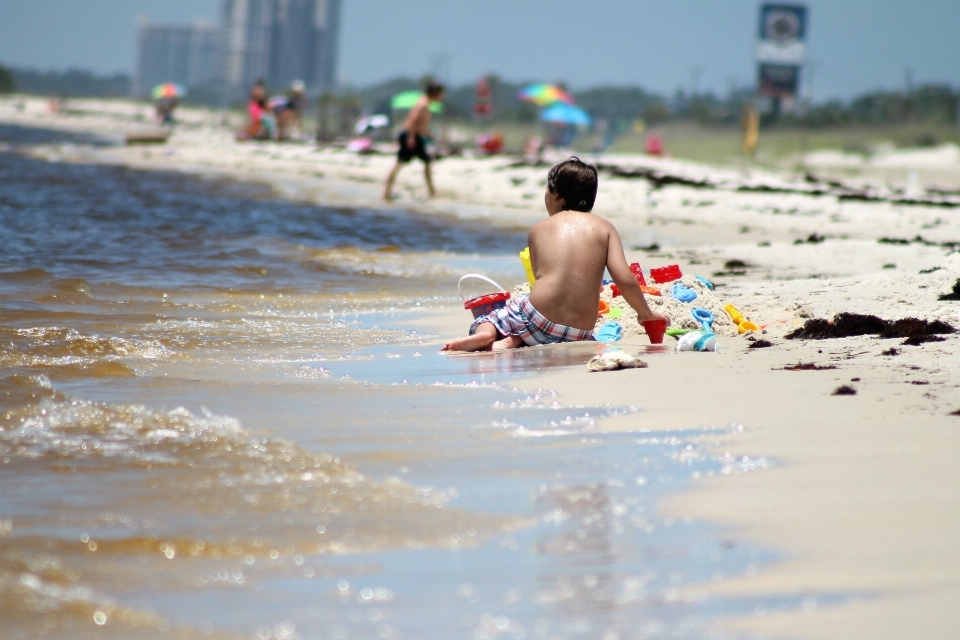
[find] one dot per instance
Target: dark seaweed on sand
(892, 351)
(955, 413)
(844, 390)
(845, 325)
(916, 341)
(760, 344)
(813, 238)
(953, 295)
(808, 366)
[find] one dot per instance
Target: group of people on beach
(273, 118)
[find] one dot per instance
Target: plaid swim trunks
(519, 318)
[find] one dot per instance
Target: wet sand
(859, 494)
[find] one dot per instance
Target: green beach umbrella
(407, 99)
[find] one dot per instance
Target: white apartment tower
(185, 54)
(279, 41)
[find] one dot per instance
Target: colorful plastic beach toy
(527, 267)
(650, 291)
(683, 294)
(706, 283)
(609, 332)
(482, 305)
(655, 330)
(666, 274)
(746, 326)
(638, 273)
(698, 341)
(704, 317)
(615, 312)
(707, 342)
(735, 315)
(604, 308)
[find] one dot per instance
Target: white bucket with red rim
(482, 305)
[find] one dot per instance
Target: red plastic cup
(655, 330)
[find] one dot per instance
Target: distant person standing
(413, 139)
(750, 123)
(289, 110)
(263, 124)
(165, 108)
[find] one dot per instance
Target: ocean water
(218, 419)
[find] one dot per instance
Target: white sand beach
(856, 492)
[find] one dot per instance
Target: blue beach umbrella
(565, 114)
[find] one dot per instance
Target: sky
(854, 46)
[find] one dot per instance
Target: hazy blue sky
(856, 45)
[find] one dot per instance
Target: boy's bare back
(568, 252)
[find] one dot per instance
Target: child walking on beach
(568, 251)
(413, 139)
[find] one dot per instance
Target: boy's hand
(653, 316)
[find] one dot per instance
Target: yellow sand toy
(743, 325)
(525, 259)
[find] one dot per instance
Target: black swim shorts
(406, 154)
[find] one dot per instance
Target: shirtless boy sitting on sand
(568, 251)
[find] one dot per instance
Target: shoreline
(862, 499)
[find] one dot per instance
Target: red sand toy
(655, 330)
(638, 273)
(482, 305)
(666, 274)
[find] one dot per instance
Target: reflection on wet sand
(546, 356)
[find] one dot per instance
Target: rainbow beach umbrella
(543, 94)
(168, 90)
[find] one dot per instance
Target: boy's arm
(625, 280)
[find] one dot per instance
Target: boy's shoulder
(569, 216)
(572, 217)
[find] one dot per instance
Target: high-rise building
(247, 26)
(280, 41)
(185, 54)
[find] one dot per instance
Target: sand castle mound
(679, 312)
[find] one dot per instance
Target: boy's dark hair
(574, 181)
(434, 89)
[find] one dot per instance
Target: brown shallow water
(212, 425)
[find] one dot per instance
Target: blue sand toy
(707, 342)
(704, 317)
(706, 283)
(609, 332)
(683, 294)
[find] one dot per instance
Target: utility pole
(695, 73)
(908, 97)
(805, 105)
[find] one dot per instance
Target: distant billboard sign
(781, 48)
